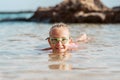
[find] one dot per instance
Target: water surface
(22, 59)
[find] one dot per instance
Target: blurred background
(32, 5)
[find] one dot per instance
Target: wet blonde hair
(59, 25)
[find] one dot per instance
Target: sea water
(22, 59)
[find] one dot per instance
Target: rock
(15, 19)
(77, 11)
(92, 17)
(116, 13)
(117, 8)
(116, 17)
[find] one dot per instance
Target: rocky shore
(78, 11)
(74, 11)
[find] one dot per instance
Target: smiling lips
(59, 48)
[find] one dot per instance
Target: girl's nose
(59, 43)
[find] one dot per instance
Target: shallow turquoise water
(21, 58)
(15, 15)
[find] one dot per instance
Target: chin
(61, 51)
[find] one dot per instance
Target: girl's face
(59, 40)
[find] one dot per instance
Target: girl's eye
(64, 39)
(54, 39)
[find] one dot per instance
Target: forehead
(59, 32)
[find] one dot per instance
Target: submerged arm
(49, 48)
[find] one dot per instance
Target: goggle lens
(56, 40)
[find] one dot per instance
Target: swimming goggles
(56, 40)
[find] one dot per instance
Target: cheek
(66, 45)
(52, 46)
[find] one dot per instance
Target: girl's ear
(49, 41)
(70, 40)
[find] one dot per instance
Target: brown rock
(77, 11)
